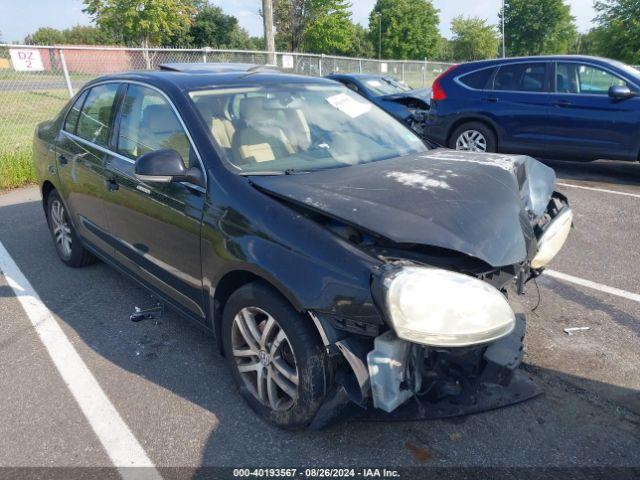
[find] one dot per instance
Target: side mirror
(620, 92)
(165, 166)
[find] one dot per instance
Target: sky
(20, 17)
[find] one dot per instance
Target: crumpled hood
(475, 203)
(423, 94)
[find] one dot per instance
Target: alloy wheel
(60, 228)
(264, 358)
(471, 141)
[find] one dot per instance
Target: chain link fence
(37, 81)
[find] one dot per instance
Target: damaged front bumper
(400, 380)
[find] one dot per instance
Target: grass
(20, 112)
(16, 168)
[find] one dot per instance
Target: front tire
(474, 137)
(275, 355)
(65, 238)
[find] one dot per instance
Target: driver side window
(149, 123)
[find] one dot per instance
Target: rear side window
(147, 123)
(73, 115)
(521, 77)
(94, 123)
(478, 80)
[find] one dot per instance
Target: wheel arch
(47, 188)
(229, 283)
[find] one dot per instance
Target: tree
(473, 39)
(331, 31)
(538, 27)
(445, 50)
(618, 30)
(211, 27)
(409, 28)
(145, 23)
(360, 45)
(322, 26)
(45, 36)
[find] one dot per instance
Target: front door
(156, 226)
(585, 121)
(80, 151)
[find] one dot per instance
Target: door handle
(62, 159)
(562, 103)
(490, 99)
(112, 185)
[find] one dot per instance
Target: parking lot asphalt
(174, 392)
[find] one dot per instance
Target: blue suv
(570, 107)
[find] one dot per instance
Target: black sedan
(338, 261)
(407, 105)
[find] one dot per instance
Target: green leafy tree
(409, 28)
(331, 31)
(538, 27)
(360, 45)
(618, 29)
(145, 23)
(320, 26)
(45, 36)
(473, 39)
(445, 50)
(213, 28)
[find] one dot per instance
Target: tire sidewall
(311, 359)
(490, 137)
(76, 247)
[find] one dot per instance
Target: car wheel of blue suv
(473, 137)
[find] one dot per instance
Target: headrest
(212, 105)
(159, 118)
(252, 111)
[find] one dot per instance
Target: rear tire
(473, 137)
(275, 356)
(65, 238)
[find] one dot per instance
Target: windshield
(301, 127)
(385, 86)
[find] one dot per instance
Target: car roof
(548, 58)
(194, 80)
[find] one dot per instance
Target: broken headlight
(440, 308)
(553, 238)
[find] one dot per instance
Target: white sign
(26, 59)
(383, 67)
(287, 61)
(348, 105)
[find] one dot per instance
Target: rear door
(520, 101)
(80, 150)
(156, 225)
(584, 121)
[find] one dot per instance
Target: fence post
(320, 64)
(424, 73)
(402, 70)
(204, 55)
(360, 65)
(65, 71)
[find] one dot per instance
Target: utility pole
(379, 15)
(269, 43)
(504, 50)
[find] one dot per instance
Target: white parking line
(594, 189)
(121, 446)
(593, 285)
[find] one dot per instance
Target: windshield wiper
(288, 171)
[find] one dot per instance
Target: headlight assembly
(553, 238)
(441, 308)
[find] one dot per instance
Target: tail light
(437, 91)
